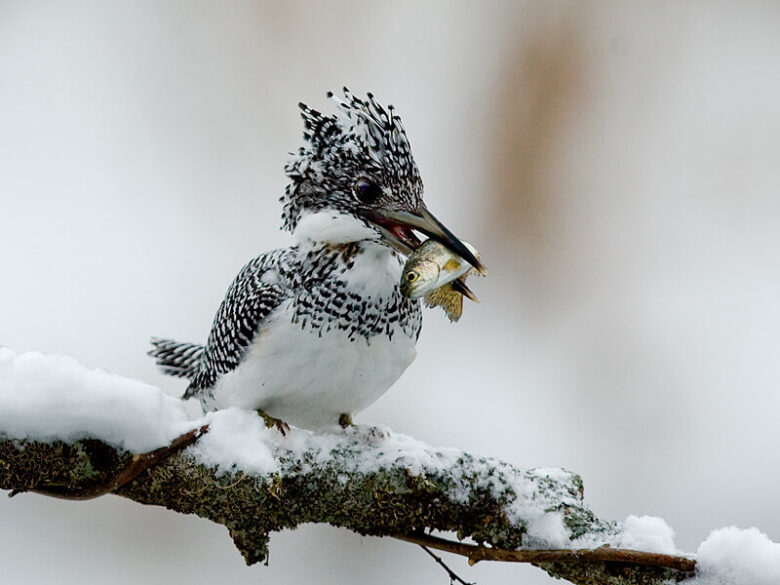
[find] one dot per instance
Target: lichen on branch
(76, 433)
(368, 481)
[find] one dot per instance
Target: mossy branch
(393, 500)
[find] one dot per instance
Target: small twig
(476, 553)
(453, 576)
(138, 464)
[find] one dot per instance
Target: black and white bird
(316, 332)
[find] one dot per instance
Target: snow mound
(48, 397)
(237, 441)
(731, 556)
(647, 533)
(644, 533)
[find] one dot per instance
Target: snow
(545, 529)
(237, 440)
(49, 397)
(732, 556)
(647, 533)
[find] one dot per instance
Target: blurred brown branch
(579, 558)
(389, 502)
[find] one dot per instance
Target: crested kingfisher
(314, 333)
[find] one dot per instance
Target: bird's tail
(177, 359)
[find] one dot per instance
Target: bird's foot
(271, 422)
(366, 432)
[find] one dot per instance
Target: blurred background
(617, 163)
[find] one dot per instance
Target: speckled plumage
(318, 329)
(366, 139)
(312, 278)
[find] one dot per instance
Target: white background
(618, 164)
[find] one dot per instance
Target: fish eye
(366, 191)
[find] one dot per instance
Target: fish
(438, 276)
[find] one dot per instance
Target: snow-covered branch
(363, 481)
(72, 432)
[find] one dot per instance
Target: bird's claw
(282, 427)
(271, 422)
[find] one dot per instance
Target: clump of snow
(554, 473)
(237, 440)
(731, 556)
(544, 529)
(647, 533)
(48, 397)
(363, 450)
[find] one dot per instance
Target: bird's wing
(253, 295)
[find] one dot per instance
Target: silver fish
(439, 276)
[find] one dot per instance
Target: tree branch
(450, 573)
(134, 467)
(494, 504)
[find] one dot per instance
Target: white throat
(333, 227)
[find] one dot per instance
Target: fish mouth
(397, 228)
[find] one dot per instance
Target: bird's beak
(459, 284)
(397, 226)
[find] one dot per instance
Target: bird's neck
(333, 227)
(353, 287)
(345, 248)
(365, 267)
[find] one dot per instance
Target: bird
(312, 334)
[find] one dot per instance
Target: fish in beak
(397, 227)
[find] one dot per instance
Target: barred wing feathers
(253, 295)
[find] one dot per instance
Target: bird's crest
(362, 137)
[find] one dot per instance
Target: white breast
(308, 377)
(310, 380)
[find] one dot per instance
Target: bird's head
(355, 179)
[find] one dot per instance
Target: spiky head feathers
(362, 144)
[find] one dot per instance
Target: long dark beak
(396, 226)
(459, 284)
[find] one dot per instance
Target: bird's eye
(411, 277)
(367, 191)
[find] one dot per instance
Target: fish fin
(448, 299)
(451, 265)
